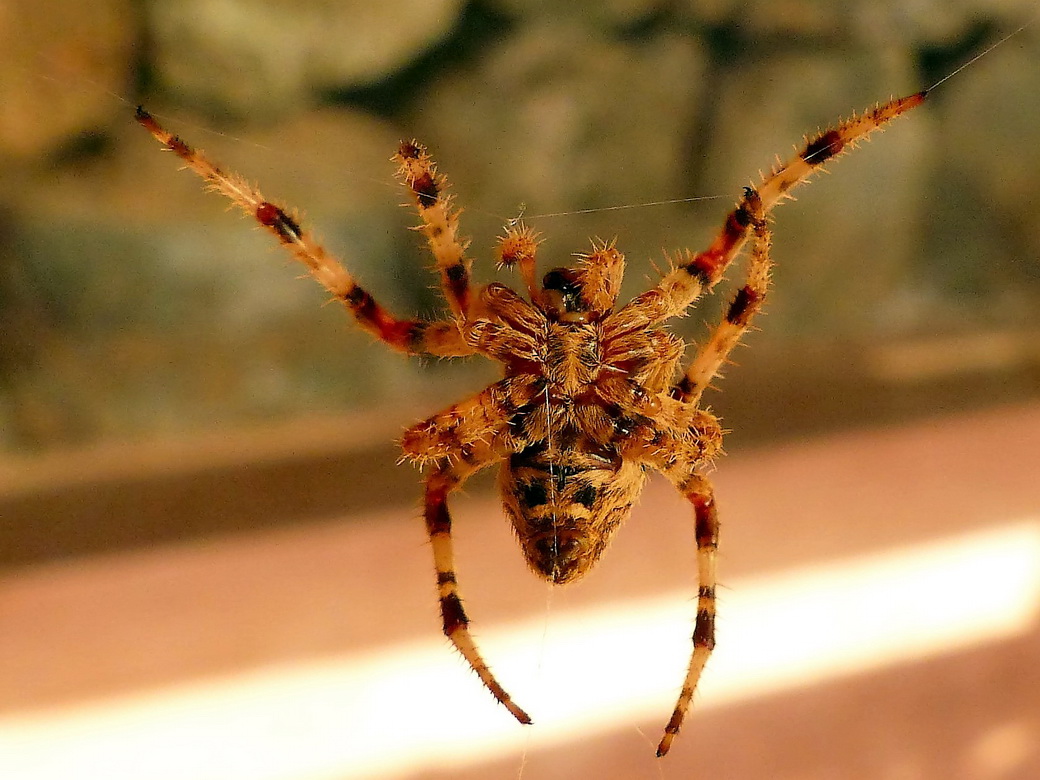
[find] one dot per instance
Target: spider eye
(562, 289)
(563, 279)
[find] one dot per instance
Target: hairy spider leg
(455, 623)
(466, 431)
(698, 491)
(746, 303)
(695, 273)
(681, 443)
(772, 190)
(439, 223)
(685, 283)
(511, 334)
(412, 336)
(458, 442)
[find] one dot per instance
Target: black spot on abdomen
(586, 496)
(532, 494)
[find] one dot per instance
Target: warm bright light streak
(415, 705)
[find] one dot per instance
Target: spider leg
(475, 431)
(458, 442)
(454, 619)
(747, 301)
(681, 442)
(411, 336)
(439, 222)
(695, 273)
(698, 491)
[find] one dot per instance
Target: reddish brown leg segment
(456, 624)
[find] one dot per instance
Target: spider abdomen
(566, 504)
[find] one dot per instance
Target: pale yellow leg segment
(459, 439)
(456, 624)
(829, 144)
(698, 490)
(325, 269)
(439, 222)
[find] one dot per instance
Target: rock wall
(132, 306)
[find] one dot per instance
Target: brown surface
(93, 627)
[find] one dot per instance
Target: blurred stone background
(133, 308)
(171, 392)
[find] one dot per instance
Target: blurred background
(212, 566)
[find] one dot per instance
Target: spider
(589, 402)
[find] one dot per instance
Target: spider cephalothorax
(589, 400)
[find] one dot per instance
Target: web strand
(981, 54)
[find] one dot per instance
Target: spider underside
(589, 402)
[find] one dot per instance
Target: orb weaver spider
(588, 403)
